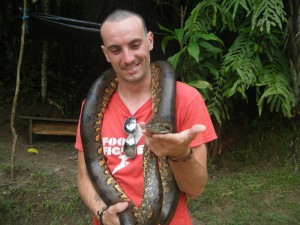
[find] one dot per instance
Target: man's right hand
(110, 215)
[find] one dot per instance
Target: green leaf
(179, 34)
(211, 37)
(200, 84)
(165, 42)
(210, 48)
(175, 59)
(194, 51)
(214, 19)
(165, 29)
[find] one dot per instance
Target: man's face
(127, 48)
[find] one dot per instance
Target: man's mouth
(132, 69)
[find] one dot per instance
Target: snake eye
(166, 127)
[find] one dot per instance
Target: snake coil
(161, 192)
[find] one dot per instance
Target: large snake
(161, 192)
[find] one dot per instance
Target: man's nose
(128, 56)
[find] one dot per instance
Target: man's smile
(132, 69)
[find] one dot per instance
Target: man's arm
(190, 174)
(91, 198)
(86, 189)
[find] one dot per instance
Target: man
(127, 45)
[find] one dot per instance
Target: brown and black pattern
(160, 189)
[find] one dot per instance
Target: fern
(277, 92)
(217, 104)
(240, 65)
(208, 14)
(252, 59)
(267, 14)
(236, 4)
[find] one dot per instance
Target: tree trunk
(294, 55)
(44, 68)
(15, 101)
(295, 48)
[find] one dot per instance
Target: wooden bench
(50, 126)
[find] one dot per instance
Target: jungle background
(243, 57)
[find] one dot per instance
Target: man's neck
(134, 95)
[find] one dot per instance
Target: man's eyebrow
(136, 40)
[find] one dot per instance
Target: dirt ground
(54, 152)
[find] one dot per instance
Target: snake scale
(161, 192)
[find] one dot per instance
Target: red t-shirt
(190, 110)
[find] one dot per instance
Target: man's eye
(115, 51)
(135, 46)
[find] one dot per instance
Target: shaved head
(120, 14)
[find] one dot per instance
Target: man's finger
(120, 207)
(197, 128)
(143, 125)
(144, 130)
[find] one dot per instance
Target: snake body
(161, 192)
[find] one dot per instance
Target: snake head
(157, 126)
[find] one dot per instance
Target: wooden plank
(50, 126)
(54, 128)
(48, 119)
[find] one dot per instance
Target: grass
(259, 196)
(42, 199)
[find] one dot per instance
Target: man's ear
(150, 38)
(105, 53)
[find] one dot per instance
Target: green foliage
(229, 46)
(267, 14)
(240, 65)
(277, 91)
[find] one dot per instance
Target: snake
(161, 193)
